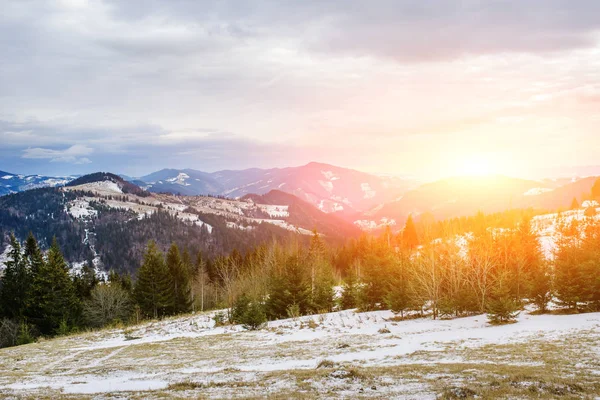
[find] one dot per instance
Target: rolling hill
(104, 220)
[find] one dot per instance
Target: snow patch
(537, 191)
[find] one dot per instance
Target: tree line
(495, 271)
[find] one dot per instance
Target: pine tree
(398, 297)
(16, 283)
(33, 255)
(53, 298)
(153, 289)
(596, 190)
(410, 239)
(575, 204)
(350, 291)
(289, 289)
(180, 277)
(502, 307)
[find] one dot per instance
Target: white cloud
(73, 154)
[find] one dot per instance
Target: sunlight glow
(477, 165)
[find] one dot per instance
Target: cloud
(234, 83)
(73, 154)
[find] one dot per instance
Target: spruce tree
(180, 277)
(53, 298)
(574, 204)
(502, 308)
(410, 239)
(153, 290)
(290, 289)
(16, 283)
(350, 291)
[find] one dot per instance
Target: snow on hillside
(4, 258)
(547, 226)
(100, 187)
(366, 188)
(180, 179)
(537, 191)
(154, 355)
(275, 211)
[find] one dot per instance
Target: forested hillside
(102, 220)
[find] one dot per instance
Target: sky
(426, 89)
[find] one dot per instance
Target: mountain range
(329, 188)
(14, 183)
(369, 201)
(103, 220)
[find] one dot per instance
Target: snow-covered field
(337, 355)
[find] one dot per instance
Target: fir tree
(289, 289)
(502, 307)
(410, 239)
(53, 298)
(153, 290)
(596, 190)
(16, 282)
(350, 292)
(575, 204)
(180, 277)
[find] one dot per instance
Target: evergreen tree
(410, 239)
(502, 307)
(350, 291)
(575, 204)
(596, 190)
(16, 282)
(291, 288)
(321, 276)
(180, 277)
(398, 297)
(33, 255)
(153, 289)
(53, 298)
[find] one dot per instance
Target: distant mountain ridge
(456, 197)
(329, 188)
(14, 183)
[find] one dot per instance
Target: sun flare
(477, 165)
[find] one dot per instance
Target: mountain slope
(455, 197)
(14, 183)
(301, 213)
(329, 188)
(103, 220)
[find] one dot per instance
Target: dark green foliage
(85, 281)
(180, 278)
(254, 318)
(290, 287)
(53, 298)
(350, 292)
(502, 308)
(16, 284)
(239, 308)
(376, 280)
(153, 290)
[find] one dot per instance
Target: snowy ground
(337, 355)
